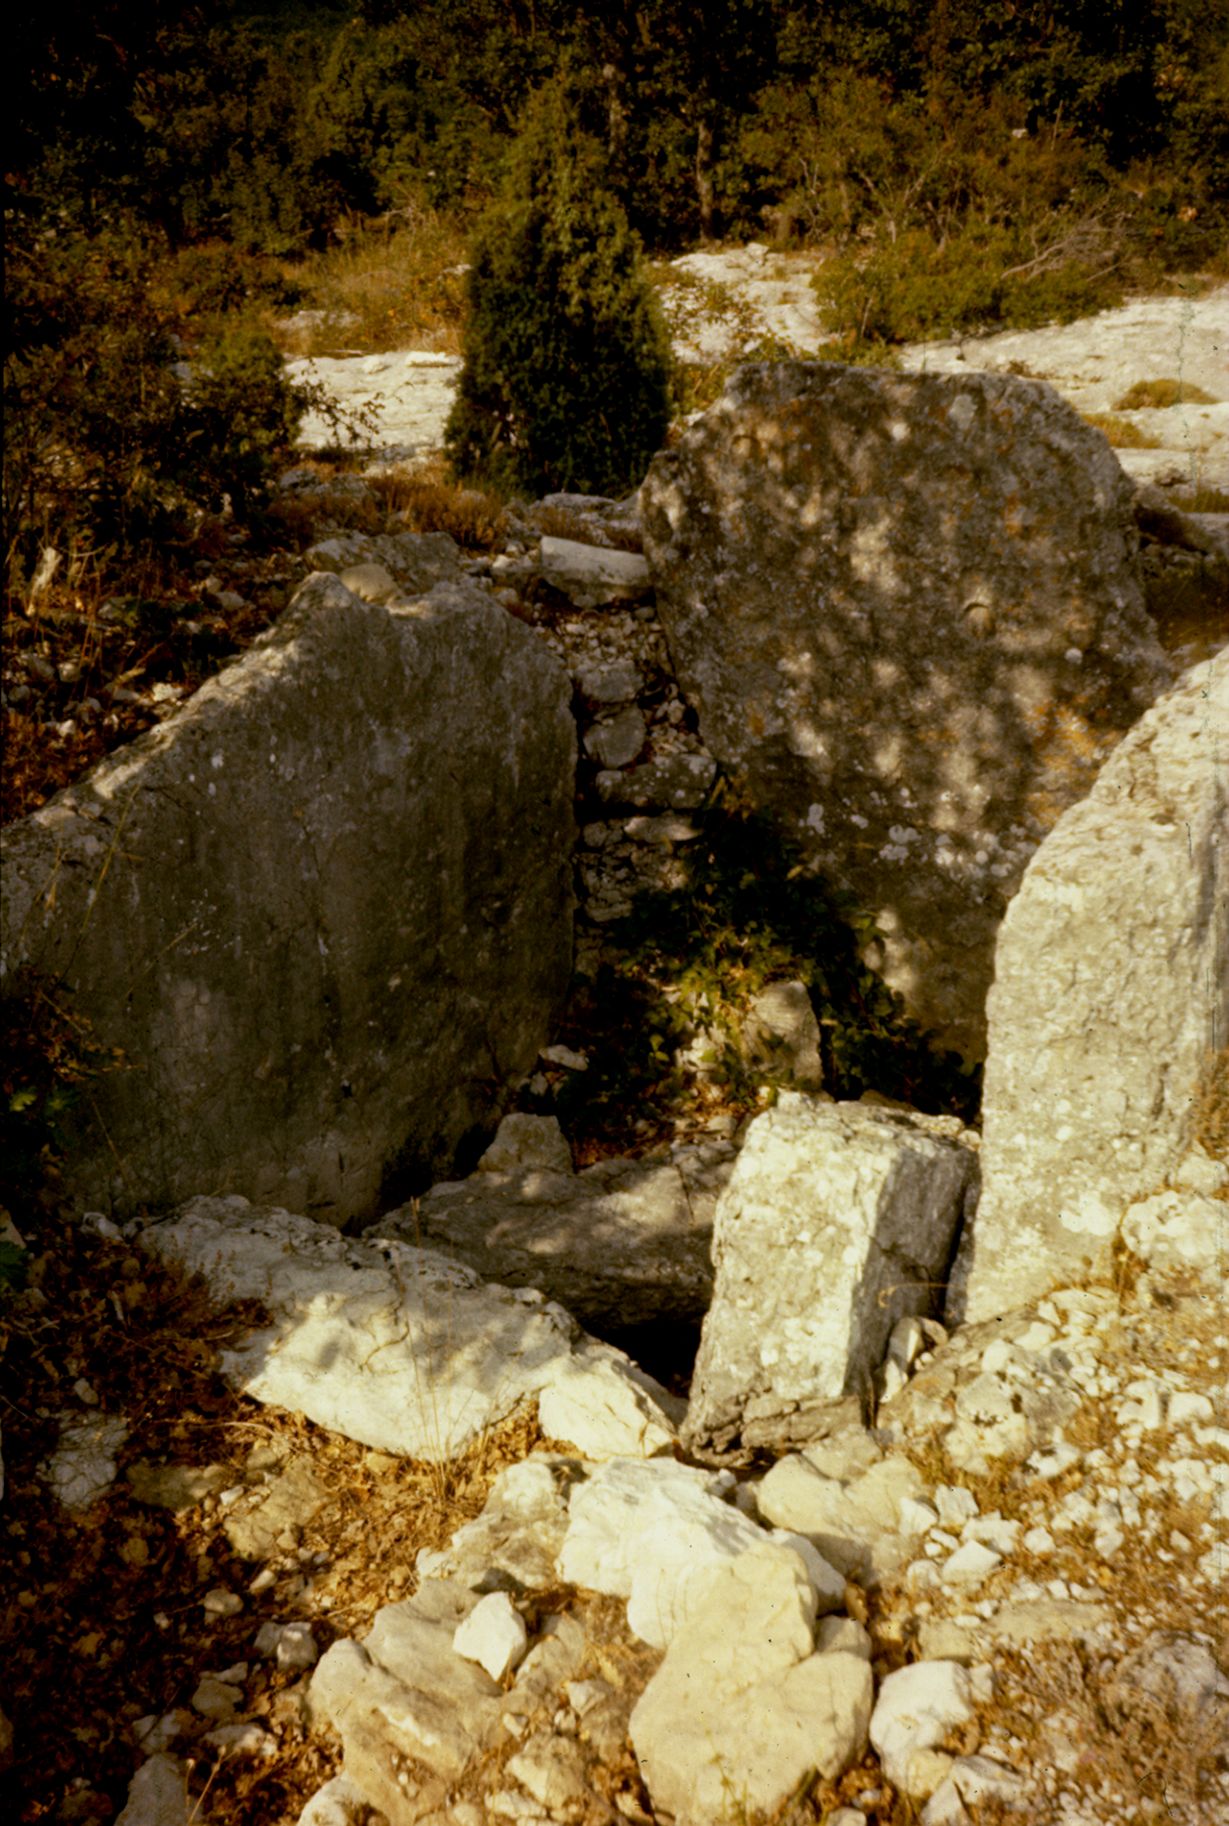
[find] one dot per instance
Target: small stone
(221, 1603)
(215, 1698)
(493, 1635)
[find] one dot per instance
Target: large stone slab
(1110, 1007)
(324, 912)
(908, 611)
(622, 1243)
(838, 1220)
(402, 1348)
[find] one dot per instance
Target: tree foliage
(566, 378)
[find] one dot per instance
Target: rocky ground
(1023, 1530)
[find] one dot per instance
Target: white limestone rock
(403, 1697)
(916, 1708)
(654, 1531)
(1109, 1001)
(590, 575)
(859, 1524)
(84, 1463)
(781, 1034)
(493, 1635)
(157, 1794)
(395, 1346)
(838, 1220)
(742, 1708)
(527, 1143)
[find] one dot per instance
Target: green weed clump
(566, 379)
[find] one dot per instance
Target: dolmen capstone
(908, 612)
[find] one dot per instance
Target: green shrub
(566, 378)
(111, 437)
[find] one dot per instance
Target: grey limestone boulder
(323, 914)
(1109, 1009)
(908, 611)
(415, 561)
(838, 1220)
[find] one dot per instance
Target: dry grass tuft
(395, 287)
(1210, 1114)
(1120, 433)
(1203, 499)
(1162, 393)
(425, 501)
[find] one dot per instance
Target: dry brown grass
(396, 287)
(424, 500)
(1120, 433)
(1210, 1113)
(1203, 499)
(1162, 393)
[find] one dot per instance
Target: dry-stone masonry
(838, 1220)
(908, 612)
(1110, 1012)
(324, 913)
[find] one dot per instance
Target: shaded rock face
(325, 911)
(908, 612)
(1109, 1007)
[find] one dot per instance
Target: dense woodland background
(181, 179)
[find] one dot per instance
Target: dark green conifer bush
(567, 368)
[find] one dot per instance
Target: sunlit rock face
(907, 609)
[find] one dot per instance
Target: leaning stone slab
(324, 912)
(908, 611)
(401, 1348)
(838, 1220)
(621, 1244)
(1109, 1009)
(742, 1709)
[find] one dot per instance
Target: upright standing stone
(1110, 1005)
(323, 913)
(838, 1220)
(908, 612)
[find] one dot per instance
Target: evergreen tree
(566, 378)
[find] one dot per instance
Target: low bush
(114, 438)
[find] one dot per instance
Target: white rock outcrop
(401, 1348)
